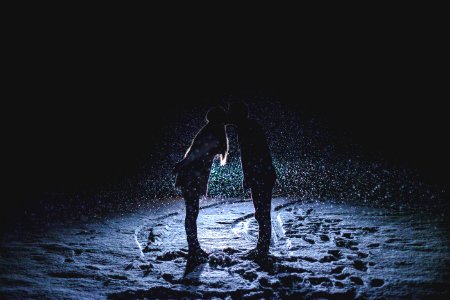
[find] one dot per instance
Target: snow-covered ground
(320, 250)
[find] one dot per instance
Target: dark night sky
(87, 114)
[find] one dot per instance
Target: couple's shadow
(194, 267)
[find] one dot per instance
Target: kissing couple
(259, 173)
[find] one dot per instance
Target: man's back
(255, 153)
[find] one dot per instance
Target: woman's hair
(224, 152)
(218, 115)
(215, 116)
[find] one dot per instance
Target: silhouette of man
(259, 173)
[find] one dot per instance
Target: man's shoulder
(251, 132)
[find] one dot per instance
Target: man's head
(216, 115)
(237, 111)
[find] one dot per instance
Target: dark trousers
(262, 199)
(191, 200)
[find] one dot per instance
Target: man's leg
(262, 198)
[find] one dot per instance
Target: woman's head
(216, 115)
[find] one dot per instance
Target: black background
(85, 110)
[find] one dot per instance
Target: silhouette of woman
(193, 172)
